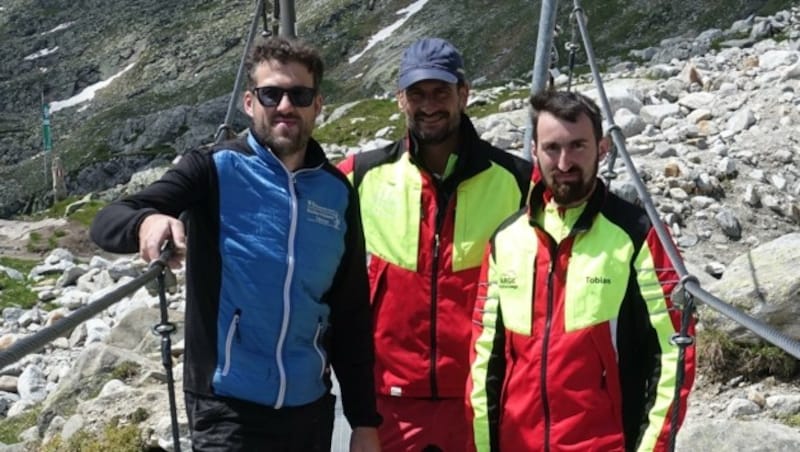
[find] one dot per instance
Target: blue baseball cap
(430, 59)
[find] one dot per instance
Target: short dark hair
(567, 105)
(283, 50)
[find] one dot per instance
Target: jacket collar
(540, 195)
(314, 156)
(473, 156)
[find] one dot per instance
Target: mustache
(285, 117)
(436, 115)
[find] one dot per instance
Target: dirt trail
(16, 241)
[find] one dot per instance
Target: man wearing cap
(429, 203)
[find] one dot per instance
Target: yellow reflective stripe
(390, 208)
(483, 202)
(650, 288)
(350, 176)
(598, 275)
(514, 275)
(479, 370)
(450, 166)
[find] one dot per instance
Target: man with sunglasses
(276, 285)
(430, 202)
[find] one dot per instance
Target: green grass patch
(361, 122)
(14, 293)
(479, 111)
(125, 371)
(85, 215)
(721, 359)
(116, 437)
(22, 265)
(37, 243)
(791, 420)
(12, 427)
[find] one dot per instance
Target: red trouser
(417, 425)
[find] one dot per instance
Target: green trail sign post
(47, 139)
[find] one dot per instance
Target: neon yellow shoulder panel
(391, 204)
(511, 277)
(392, 194)
(483, 202)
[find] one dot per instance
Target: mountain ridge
(185, 56)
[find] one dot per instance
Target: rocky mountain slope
(714, 135)
(715, 138)
(179, 60)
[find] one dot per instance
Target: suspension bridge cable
(758, 327)
(224, 131)
(36, 341)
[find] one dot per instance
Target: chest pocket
(597, 278)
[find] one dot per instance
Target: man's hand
(154, 232)
(365, 439)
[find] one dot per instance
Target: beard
(282, 144)
(427, 136)
(569, 193)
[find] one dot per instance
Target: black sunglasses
(271, 96)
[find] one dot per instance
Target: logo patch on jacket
(508, 280)
(323, 215)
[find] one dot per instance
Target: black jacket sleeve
(116, 227)
(352, 350)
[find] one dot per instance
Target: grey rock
(12, 315)
(737, 435)
(729, 224)
(123, 267)
(12, 273)
(774, 59)
(59, 255)
(96, 330)
(630, 123)
(7, 399)
(741, 120)
(693, 101)
(32, 384)
(72, 426)
(784, 405)
(764, 283)
(741, 407)
(655, 114)
(70, 276)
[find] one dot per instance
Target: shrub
(11, 428)
(721, 359)
(119, 438)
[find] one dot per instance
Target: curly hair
(283, 50)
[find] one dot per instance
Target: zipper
(287, 286)
(290, 264)
(318, 348)
(442, 199)
(233, 332)
(434, 295)
(546, 343)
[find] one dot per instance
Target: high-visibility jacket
(426, 239)
(571, 338)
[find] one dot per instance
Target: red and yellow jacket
(571, 332)
(426, 240)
